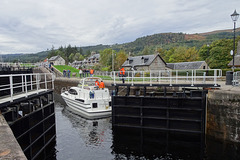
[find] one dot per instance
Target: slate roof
(94, 56)
(236, 61)
(138, 60)
(54, 58)
(185, 65)
(236, 58)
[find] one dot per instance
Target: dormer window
(130, 61)
(145, 60)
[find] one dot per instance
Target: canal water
(82, 139)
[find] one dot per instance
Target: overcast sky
(30, 26)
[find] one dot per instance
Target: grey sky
(30, 26)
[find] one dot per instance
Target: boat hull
(86, 110)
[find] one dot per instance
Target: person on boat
(91, 72)
(102, 85)
(97, 83)
(91, 94)
(122, 74)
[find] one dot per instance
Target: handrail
(236, 78)
(32, 80)
(170, 77)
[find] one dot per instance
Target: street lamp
(234, 17)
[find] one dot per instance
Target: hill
(160, 40)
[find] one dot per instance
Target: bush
(147, 74)
(137, 74)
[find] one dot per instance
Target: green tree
(121, 57)
(146, 51)
(71, 57)
(220, 53)
(106, 57)
(204, 52)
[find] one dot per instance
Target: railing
(236, 78)
(102, 73)
(24, 83)
(170, 77)
(86, 95)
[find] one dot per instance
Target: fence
(236, 78)
(170, 77)
(24, 83)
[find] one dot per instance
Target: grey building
(145, 62)
(57, 60)
(188, 65)
(236, 58)
(88, 62)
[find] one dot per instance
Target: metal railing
(236, 78)
(24, 83)
(170, 77)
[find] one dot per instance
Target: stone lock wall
(223, 115)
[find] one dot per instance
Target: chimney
(142, 59)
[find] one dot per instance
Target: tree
(121, 57)
(52, 53)
(146, 51)
(80, 50)
(106, 57)
(71, 57)
(184, 54)
(220, 53)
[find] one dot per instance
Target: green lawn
(66, 67)
(74, 70)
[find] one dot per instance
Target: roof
(185, 65)
(94, 56)
(54, 58)
(144, 60)
(236, 57)
(236, 61)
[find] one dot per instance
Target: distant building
(188, 65)
(88, 62)
(145, 62)
(56, 60)
(236, 58)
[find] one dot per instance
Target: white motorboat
(88, 100)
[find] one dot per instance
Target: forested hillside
(167, 44)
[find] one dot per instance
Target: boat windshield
(90, 81)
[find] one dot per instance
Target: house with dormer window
(145, 62)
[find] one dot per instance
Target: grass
(66, 67)
(74, 70)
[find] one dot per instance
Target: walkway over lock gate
(170, 77)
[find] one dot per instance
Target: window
(145, 60)
(72, 91)
(130, 61)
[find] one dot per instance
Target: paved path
(9, 147)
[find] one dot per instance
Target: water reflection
(133, 143)
(79, 138)
(91, 131)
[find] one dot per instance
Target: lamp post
(234, 17)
